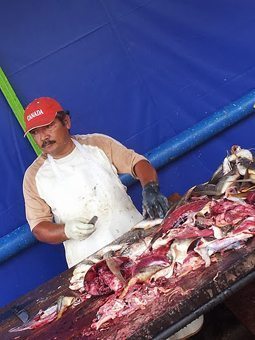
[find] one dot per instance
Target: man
(75, 183)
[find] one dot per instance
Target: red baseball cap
(40, 112)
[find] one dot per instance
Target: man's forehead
(44, 126)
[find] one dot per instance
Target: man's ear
(67, 122)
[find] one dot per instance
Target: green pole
(16, 107)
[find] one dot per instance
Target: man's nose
(43, 133)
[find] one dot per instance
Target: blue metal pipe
(22, 238)
(16, 241)
(199, 133)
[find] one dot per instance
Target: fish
(101, 280)
(114, 265)
(63, 303)
(206, 220)
(217, 175)
(175, 217)
(43, 317)
(144, 269)
(79, 272)
(192, 207)
(136, 249)
(205, 249)
(220, 188)
(178, 253)
(100, 253)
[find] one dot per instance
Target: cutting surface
(185, 296)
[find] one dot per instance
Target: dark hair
(61, 116)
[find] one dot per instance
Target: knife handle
(93, 220)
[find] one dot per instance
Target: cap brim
(39, 125)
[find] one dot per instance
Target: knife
(93, 220)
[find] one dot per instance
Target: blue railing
(22, 238)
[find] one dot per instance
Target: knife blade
(21, 313)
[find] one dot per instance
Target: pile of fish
(213, 217)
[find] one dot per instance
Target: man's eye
(50, 125)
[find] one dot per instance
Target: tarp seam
(59, 49)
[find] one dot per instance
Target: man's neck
(67, 149)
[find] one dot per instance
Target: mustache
(47, 142)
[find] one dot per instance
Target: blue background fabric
(141, 71)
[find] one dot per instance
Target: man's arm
(50, 232)
(54, 233)
(145, 172)
(40, 217)
(154, 203)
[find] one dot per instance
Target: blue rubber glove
(155, 205)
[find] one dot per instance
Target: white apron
(86, 184)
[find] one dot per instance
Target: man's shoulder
(94, 139)
(35, 166)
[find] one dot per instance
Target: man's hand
(155, 205)
(79, 229)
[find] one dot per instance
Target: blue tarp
(141, 71)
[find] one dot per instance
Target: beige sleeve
(36, 208)
(122, 158)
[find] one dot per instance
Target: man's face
(54, 139)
